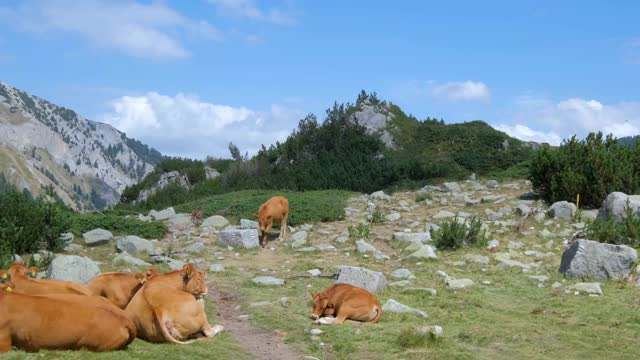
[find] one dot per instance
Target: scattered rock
(248, 224)
(588, 259)
(434, 331)
(268, 280)
(216, 268)
(196, 247)
(424, 252)
(478, 259)
(238, 238)
(175, 264)
(215, 221)
(450, 187)
(364, 247)
(615, 205)
(421, 290)
(422, 237)
(298, 239)
(493, 184)
(396, 307)
(134, 245)
(67, 237)
(162, 215)
(260, 304)
(97, 237)
(380, 195)
(325, 247)
(124, 257)
(402, 274)
(562, 210)
(512, 263)
(492, 215)
(457, 284)
(401, 283)
(444, 214)
(493, 244)
(314, 272)
(372, 281)
(73, 247)
(522, 210)
(589, 288)
(315, 332)
(72, 268)
(395, 216)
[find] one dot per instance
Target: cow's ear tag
(5, 276)
(9, 289)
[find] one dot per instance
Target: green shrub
(423, 195)
(118, 225)
(455, 235)
(28, 225)
(377, 217)
(304, 207)
(358, 232)
(592, 168)
(626, 232)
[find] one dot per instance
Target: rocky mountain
(44, 146)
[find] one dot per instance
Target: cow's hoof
(213, 330)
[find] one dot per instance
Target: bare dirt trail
(262, 344)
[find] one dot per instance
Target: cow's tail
(165, 331)
(378, 310)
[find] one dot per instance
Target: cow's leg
(325, 321)
(212, 330)
(283, 228)
(5, 341)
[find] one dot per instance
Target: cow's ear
(313, 295)
(187, 271)
(141, 277)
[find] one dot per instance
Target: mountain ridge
(86, 163)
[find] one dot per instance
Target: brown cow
(165, 309)
(275, 209)
(345, 301)
(61, 322)
(119, 288)
(24, 284)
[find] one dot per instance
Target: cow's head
(32, 272)
(265, 223)
(194, 281)
(321, 306)
(18, 268)
(151, 272)
(141, 277)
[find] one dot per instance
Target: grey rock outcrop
(562, 210)
(97, 237)
(615, 205)
(134, 245)
(372, 281)
(588, 259)
(72, 268)
(238, 238)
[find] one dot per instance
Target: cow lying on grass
(61, 322)
(165, 309)
(275, 209)
(25, 284)
(119, 288)
(345, 302)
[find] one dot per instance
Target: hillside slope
(88, 164)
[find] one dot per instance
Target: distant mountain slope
(88, 164)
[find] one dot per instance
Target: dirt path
(262, 344)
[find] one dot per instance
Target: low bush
(454, 234)
(118, 225)
(626, 232)
(304, 207)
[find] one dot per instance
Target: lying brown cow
(344, 301)
(275, 209)
(119, 288)
(24, 284)
(165, 309)
(61, 322)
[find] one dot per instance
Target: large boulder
(215, 221)
(588, 259)
(248, 224)
(134, 245)
(72, 268)
(421, 237)
(615, 205)
(238, 238)
(162, 215)
(372, 281)
(97, 237)
(562, 210)
(125, 258)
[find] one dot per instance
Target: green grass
(305, 207)
(118, 224)
(221, 346)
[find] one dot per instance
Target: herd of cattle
(114, 308)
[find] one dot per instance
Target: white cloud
(142, 30)
(570, 117)
(249, 9)
(184, 125)
(525, 133)
(462, 91)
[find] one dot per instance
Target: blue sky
(187, 77)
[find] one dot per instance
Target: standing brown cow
(275, 209)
